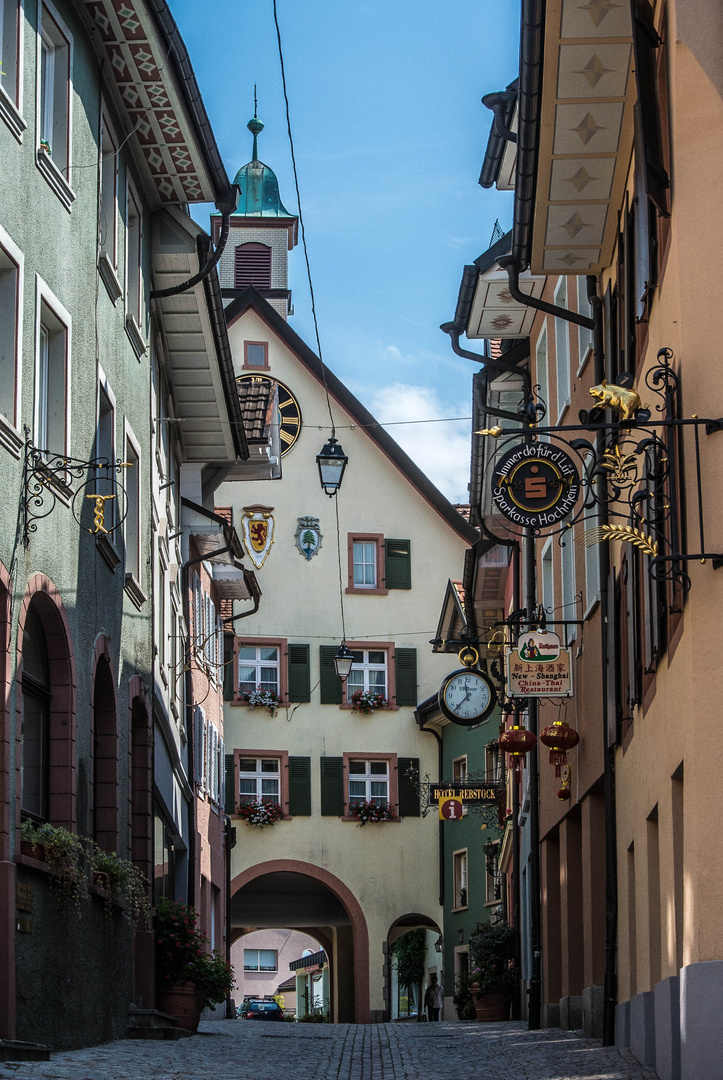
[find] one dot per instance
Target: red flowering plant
(366, 701)
(371, 811)
(261, 813)
(182, 955)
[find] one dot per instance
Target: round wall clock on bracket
(467, 696)
(289, 411)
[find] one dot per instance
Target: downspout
(440, 833)
(513, 268)
(230, 838)
(226, 207)
(190, 725)
(528, 412)
(606, 613)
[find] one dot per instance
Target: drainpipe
(190, 726)
(606, 613)
(511, 265)
(230, 841)
(226, 207)
(528, 412)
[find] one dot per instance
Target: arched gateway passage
(301, 896)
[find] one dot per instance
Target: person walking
(433, 999)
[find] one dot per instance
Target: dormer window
(252, 266)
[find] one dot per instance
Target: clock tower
(262, 232)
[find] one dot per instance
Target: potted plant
(265, 699)
(188, 977)
(491, 953)
(63, 852)
(121, 879)
(463, 1000)
(365, 701)
(371, 811)
(260, 814)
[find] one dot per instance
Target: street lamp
(332, 462)
(343, 661)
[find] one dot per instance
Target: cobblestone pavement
(241, 1050)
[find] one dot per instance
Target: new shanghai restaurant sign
(535, 485)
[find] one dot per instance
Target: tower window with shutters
(252, 266)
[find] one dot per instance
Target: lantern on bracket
(517, 742)
(560, 738)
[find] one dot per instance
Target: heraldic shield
(257, 529)
(308, 537)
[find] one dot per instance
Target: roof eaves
(178, 54)
(212, 290)
(488, 258)
(529, 95)
(250, 297)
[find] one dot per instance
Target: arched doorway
(404, 1002)
(104, 802)
(301, 896)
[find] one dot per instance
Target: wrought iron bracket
(84, 486)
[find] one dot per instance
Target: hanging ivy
(410, 952)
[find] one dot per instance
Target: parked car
(258, 1009)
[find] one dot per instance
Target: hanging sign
(535, 485)
(450, 810)
(539, 647)
(257, 527)
(539, 679)
(463, 792)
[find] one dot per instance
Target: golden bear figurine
(615, 397)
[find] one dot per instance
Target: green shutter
(330, 689)
(397, 564)
(332, 786)
(230, 785)
(299, 673)
(229, 682)
(300, 785)
(408, 793)
(405, 661)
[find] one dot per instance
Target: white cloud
(441, 450)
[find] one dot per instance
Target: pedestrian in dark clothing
(434, 999)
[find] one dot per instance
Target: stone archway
(299, 895)
(413, 920)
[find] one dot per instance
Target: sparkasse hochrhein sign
(535, 485)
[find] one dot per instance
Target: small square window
(256, 354)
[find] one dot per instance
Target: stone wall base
(571, 1013)
(592, 1011)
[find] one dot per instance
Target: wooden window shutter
(405, 661)
(645, 45)
(252, 266)
(408, 794)
(332, 786)
(229, 669)
(330, 687)
(397, 564)
(299, 786)
(299, 670)
(230, 801)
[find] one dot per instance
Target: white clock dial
(467, 695)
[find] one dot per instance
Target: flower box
(371, 811)
(264, 699)
(260, 814)
(364, 701)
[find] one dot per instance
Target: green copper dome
(258, 184)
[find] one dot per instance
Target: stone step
(15, 1050)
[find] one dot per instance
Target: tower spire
(255, 127)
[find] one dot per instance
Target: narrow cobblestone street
(228, 1050)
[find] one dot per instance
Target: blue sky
(389, 137)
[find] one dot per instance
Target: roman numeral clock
(289, 411)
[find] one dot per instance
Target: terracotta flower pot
(491, 1007)
(181, 1001)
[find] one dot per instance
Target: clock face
(467, 697)
(290, 413)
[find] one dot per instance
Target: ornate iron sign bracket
(49, 479)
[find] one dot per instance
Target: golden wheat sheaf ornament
(626, 533)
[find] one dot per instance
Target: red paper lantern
(560, 737)
(517, 742)
(563, 794)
